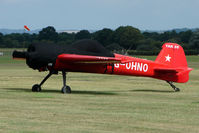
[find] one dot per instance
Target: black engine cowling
(39, 55)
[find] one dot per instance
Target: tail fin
(172, 55)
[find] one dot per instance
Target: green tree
(104, 36)
(10, 43)
(185, 36)
(16, 36)
(1, 39)
(48, 33)
(164, 37)
(152, 35)
(127, 37)
(83, 34)
(194, 41)
(114, 47)
(149, 45)
(66, 38)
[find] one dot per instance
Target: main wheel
(66, 89)
(36, 88)
(63, 90)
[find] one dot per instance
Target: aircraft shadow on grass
(58, 91)
(159, 91)
(195, 102)
(86, 92)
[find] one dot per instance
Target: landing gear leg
(37, 87)
(173, 86)
(65, 88)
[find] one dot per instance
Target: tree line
(125, 39)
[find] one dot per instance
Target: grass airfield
(98, 103)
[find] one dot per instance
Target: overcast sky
(99, 14)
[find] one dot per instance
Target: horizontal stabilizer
(167, 70)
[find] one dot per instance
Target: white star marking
(168, 58)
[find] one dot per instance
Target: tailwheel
(36, 88)
(173, 86)
(176, 89)
(66, 89)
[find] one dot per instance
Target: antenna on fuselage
(126, 53)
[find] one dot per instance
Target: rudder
(173, 55)
(176, 69)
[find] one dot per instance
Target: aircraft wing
(87, 59)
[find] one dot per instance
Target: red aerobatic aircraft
(87, 56)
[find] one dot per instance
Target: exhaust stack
(19, 55)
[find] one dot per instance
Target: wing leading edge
(86, 59)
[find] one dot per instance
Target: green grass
(98, 103)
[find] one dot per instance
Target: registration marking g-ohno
(136, 66)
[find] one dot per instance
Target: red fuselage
(130, 66)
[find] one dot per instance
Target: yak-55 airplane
(91, 57)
